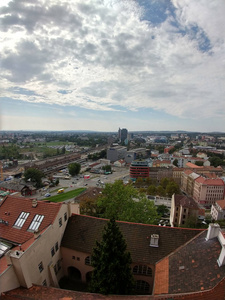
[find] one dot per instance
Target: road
(79, 181)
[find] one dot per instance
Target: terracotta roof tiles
(11, 208)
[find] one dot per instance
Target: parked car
(47, 195)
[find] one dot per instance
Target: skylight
(36, 222)
(3, 248)
(21, 219)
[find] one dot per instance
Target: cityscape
(112, 150)
(169, 187)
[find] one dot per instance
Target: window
(142, 270)
(56, 246)
(21, 220)
(88, 260)
(40, 266)
(60, 222)
(154, 242)
(184, 216)
(78, 258)
(36, 222)
(141, 285)
(73, 257)
(185, 210)
(52, 251)
(65, 217)
(44, 283)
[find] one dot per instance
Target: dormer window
(154, 242)
(36, 223)
(21, 220)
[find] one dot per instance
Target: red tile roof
(188, 172)
(10, 209)
(200, 179)
(214, 182)
(221, 203)
(191, 165)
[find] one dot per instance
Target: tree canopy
(74, 169)
(125, 203)
(111, 261)
(34, 175)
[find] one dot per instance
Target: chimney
(213, 231)
(34, 203)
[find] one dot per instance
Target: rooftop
(82, 232)
(181, 200)
(20, 218)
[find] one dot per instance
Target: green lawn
(65, 196)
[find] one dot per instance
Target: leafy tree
(111, 262)
(164, 182)
(172, 188)
(148, 181)
(191, 222)
(74, 169)
(88, 206)
(175, 162)
(34, 175)
(125, 203)
(151, 190)
(107, 168)
(162, 210)
(199, 163)
(139, 182)
(215, 161)
(160, 191)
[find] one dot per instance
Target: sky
(103, 64)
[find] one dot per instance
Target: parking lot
(95, 180)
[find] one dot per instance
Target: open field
(65, 196)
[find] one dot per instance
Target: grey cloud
(32, 17)
(27, 63)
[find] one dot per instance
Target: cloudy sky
(104, 64)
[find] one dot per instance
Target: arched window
(142, 270)
(142, 286)
(88, 260)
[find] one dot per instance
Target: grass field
(65, 196)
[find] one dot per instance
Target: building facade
(139, 169)
(208, 191)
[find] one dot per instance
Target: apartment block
(182, 208)
(208, 191)
(218, 210)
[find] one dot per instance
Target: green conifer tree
(111, 262)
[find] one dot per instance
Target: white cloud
(109, 58)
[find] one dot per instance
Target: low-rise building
(182, 208)
(31, 233)
(218, 210)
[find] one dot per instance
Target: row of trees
(166, 188)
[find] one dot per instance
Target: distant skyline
(99, 65)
